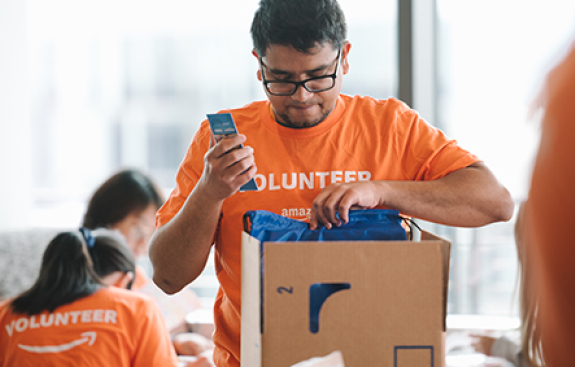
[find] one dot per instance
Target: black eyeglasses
(313, 85)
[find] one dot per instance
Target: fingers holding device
(223, 125)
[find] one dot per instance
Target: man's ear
(344, 57)
(259, 72)
(125, 280)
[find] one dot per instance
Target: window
(126, 83)
(492, 57)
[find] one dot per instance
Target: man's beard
(300, 124)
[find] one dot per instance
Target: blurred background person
(127, 202)
(550, 215)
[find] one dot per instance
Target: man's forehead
(287, 58)
(318, 48)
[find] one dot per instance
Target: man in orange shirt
(319, 154)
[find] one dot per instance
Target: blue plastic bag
(363, 225)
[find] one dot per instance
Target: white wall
(15, 159)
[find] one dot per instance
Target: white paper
(334, 359)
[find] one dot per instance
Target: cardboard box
(391, 315)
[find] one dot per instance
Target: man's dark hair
(301, 24)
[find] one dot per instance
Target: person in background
(550, 215)
(319, 153)
(528, 352)
(127, 202)
(74, 316)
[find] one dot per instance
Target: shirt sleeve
(429, 153)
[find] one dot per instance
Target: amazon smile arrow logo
(89, 337)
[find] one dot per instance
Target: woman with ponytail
(78, 312)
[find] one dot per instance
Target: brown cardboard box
(392, 314)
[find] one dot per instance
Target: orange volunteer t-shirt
(112, 327)
(362, 139)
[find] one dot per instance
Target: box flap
(250, 349)
(446, 251)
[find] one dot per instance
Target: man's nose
(301, 94)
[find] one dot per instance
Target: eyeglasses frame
(300, 83)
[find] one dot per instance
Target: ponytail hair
(66, 274)
(110, 254)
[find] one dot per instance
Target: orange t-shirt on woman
(112, 327)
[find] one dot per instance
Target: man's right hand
(227, 167)
(180, 248)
